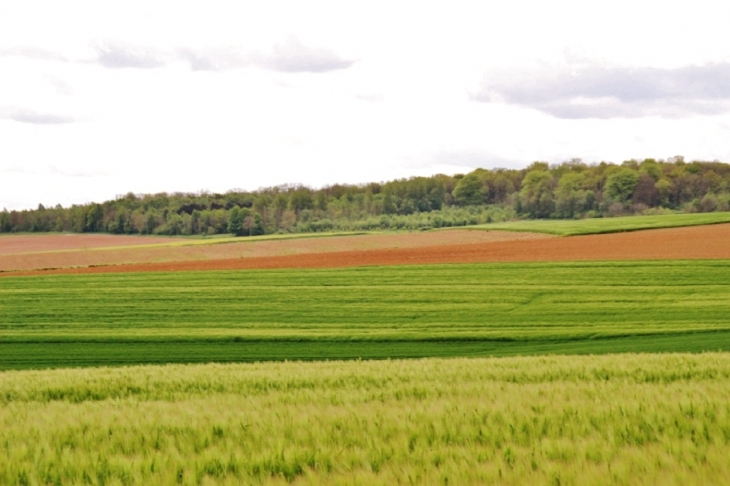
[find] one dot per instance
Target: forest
(569, 190)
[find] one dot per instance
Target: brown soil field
(697, 242)
(249, 248)
(10, 244)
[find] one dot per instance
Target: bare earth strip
(698, 242)
(10, 244)
(249, 249)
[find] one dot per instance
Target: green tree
(389, 206)
(258, 225)
(5, 225)
(94, 215)
(235, 221)
(664, 189)
(620, 185)
(569, 195)
(469, 191)
(536, 193)
(301, 199)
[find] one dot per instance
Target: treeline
(572, 189)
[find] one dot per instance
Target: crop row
(449, 310)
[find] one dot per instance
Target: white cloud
(24, 115)
(610, 92)
(293, 57)
(32, 53)
(122, 55)
(290, 56)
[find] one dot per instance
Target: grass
(368, 312)
(570, 227)
(640, 419)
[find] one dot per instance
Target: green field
(368, 312)
(569, 227)
(618, 419)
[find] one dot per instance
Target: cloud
(289, 57)
(472, 159)
(61, 87)
(32, 53)
(24, 115)
(608, 92)
(118, 55)
(293, 57)
(214, 59)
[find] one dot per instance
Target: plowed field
(698, 242)
(10, 244)
(225, 251)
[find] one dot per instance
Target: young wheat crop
(566, 420)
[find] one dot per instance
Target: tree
(536, 193)
(94, 215)
(5, 226)
(569, 194)
(645, 191)
(388, 202)
(664, 189)
(258, 225)
(620, 185)
(469, 191)
(301, 199)
(235, 221)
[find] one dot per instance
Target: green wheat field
(519, 373)
(614, 419)
(592, 226)
(368, 312)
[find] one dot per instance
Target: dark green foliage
(369, 312)
(235, 221)
(569, 190)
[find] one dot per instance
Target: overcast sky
(102, 98)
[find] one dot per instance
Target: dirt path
(697, 242)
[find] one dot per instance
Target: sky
(98, 99)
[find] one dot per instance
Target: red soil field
(247, 248)
(696, 242)
(10, 244)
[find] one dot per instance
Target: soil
(10, 244)
(696, 242)
(244, 248)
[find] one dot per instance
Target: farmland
(544, 420)
(697, 242)
(590, 226)
(595, 359)
(178, 250)
(366, 312)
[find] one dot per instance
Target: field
(39, 242)
(542, 420)
(438, 247)
(589, 359)
(177, 250)
(593, 226)
(366, 312)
